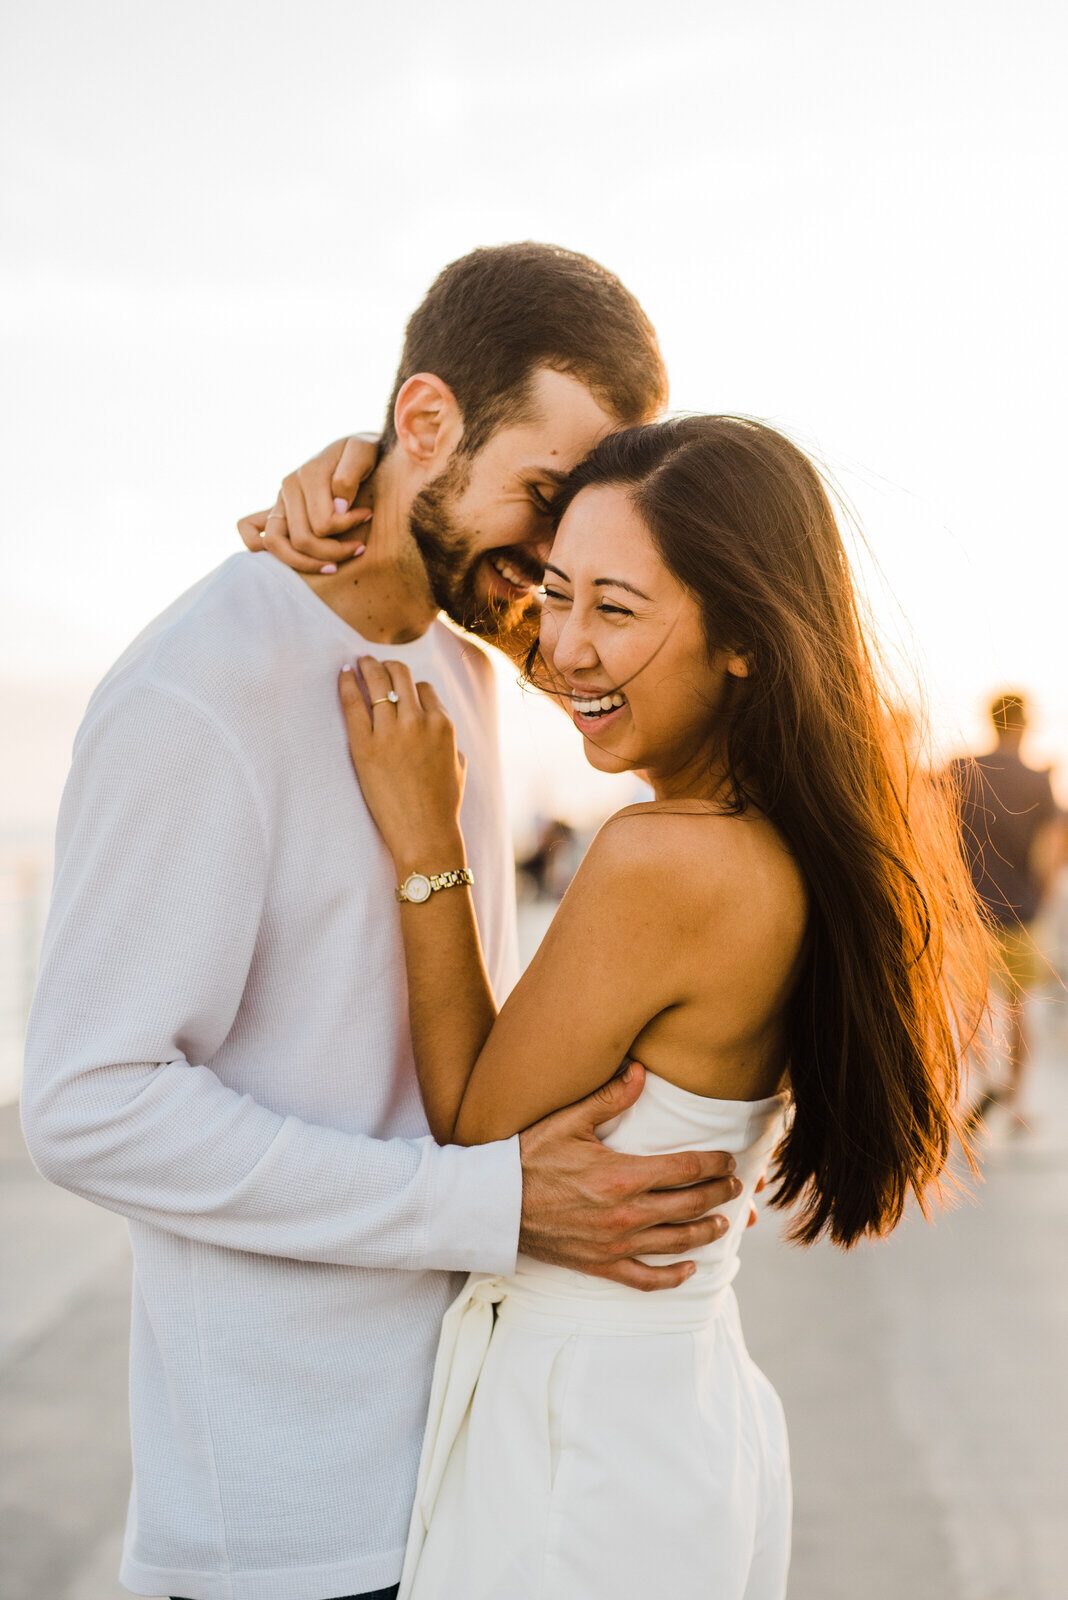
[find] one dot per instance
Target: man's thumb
(615, 1095)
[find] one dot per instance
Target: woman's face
(618, 627)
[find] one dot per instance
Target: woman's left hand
(411, 774)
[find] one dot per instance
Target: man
(1007, 814)
(219, 1045)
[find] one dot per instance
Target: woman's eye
(615, 611)
(551, 594)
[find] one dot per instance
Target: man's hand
(307, 524)
(588, 1207)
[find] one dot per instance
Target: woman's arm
(316, 524)
(606, 967)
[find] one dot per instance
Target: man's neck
(1009, 745)
(384, 595)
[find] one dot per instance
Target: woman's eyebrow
(603, 583)
(618, 583)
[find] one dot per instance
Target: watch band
(419, 886)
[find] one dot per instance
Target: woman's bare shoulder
(702, 855)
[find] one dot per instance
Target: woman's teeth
(599, 707)
(509, 573)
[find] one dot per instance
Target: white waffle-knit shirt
(219, 1049)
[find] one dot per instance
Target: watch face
(417, 888)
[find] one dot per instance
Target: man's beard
(450, 562)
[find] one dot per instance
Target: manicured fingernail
(690, 1269)
(359, 550)
(731, 1164)
(347, 667)
(628, 1072)
(330, 567)
(340, 506)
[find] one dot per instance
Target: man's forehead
(566, 420)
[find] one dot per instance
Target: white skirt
(614, 1446)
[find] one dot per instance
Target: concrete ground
(924, 1382)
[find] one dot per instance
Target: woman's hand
(411, 774)
(307, 524)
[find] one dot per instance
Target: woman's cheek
(548, 634)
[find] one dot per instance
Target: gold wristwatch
(417, 887)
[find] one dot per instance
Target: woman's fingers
(357, 716)
(310, 553)
(428, 698)
(302, 535)
(354, 464)
(268, 530)
(252, 529)
(375, 675)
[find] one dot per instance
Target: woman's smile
(598, 709)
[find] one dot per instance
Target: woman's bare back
(736, 925)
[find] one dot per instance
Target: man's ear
(427, 420)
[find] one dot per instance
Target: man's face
(484, 525)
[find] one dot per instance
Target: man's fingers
(681, 1170)
(638, 1275)
(669, 1206)
(678, 1241)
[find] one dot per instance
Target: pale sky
(845, 218)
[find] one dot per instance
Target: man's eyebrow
(603, 583)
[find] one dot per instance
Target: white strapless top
(664, 1119)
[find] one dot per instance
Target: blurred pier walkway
(924, 1382)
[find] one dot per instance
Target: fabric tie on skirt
(467, 1329)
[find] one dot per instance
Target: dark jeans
(377, 1594)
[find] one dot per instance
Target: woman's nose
(572, 650)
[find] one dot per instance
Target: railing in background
(25, 883)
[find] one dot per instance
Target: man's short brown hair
(493, 318)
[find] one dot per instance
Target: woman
(783, 929)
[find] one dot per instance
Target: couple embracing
(267, 1029)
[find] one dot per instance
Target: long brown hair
(893, 978)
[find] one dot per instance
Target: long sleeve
(162, 869)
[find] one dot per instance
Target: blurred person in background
(550, 866)
(1010, 831)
